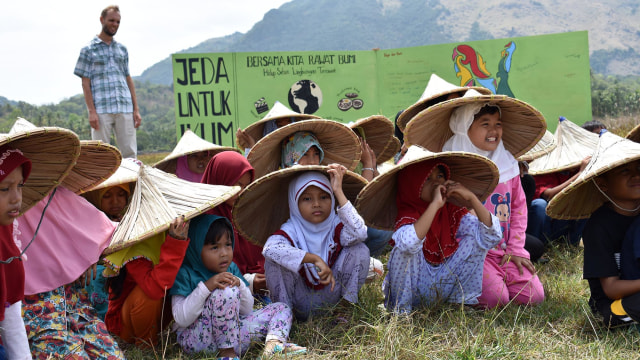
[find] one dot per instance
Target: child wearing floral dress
(212, 305)
(318, 256)
(439, 248)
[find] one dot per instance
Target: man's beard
(107, 31)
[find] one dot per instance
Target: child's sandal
(285, 350)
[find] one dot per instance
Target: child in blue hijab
(212, 305)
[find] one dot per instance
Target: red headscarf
(11, 274)
(226, 168)
(440, 242)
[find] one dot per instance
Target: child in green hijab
(212, 305)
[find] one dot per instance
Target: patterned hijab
(460, 122)
(193, 270)
(440, 242)
(295, 146)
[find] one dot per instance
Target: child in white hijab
(318, 256)
(509, 275)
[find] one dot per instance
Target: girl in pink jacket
(509, 274)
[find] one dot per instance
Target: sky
(41, 39)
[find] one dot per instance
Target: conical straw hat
(158, 199)
(53, 152)
(376, 203)
(378, 132)
(278, 111)
(272, 192)
(126, 173)
(542, 147)
(522, 125)
(634, 134)
(436, 87)
(189, 143)
(573, 144)
(392, 148)
(339, 144)
(97, 161)
(581, 198)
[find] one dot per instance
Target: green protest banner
(216, 93)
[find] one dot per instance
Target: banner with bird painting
(216, 93)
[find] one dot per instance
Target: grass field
(562, 327)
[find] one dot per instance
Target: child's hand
(368, 158)
(221, 281)
(336, 173)
(245, 140)
(520, 262)
(439, 197)
(179, 228)
(459, 193)
(584, 162)
(87, 276)
(325, 273)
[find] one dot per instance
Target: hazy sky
(41, 39)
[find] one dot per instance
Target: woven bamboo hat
(97, 161)
(126, 173)
(542, 147)
(573, 144)
(52, 151)
(278, 111)
(271, 192)
(158, 199)
(189, 143)
(390, 151)
(339, 144)
(582, 197)
(377, 130)
(436, 87)
(522, 125)
(634, 134)
(376, 203)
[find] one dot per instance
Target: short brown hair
(109, 8)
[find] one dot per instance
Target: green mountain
(365, 24)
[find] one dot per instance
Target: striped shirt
(107, 66)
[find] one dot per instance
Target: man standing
(108, 88)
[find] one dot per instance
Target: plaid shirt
(107, 66)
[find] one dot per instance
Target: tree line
(612, 96)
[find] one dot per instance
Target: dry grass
(152, 158)
(560, 328)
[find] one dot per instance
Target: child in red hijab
(439, 248)
(14, 171)
(232, 169)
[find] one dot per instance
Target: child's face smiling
(11, 196)
(311, 157)
(622, 184)
(435, 179)
(486, 132)
(197, 162)
(217, 257)
(314, 204)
